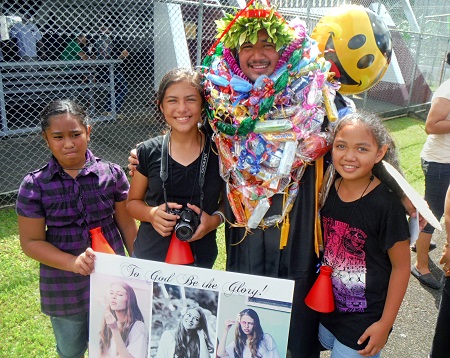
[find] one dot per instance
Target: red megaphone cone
(320, 297)
(99, 242)
(179, 252)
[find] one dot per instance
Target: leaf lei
(245, 29)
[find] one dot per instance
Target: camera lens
(183, 231)
(186, 224)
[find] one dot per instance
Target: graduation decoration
(268, 131)
(357, 43)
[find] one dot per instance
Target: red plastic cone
(320, 297)
(179, 252)
(99, 242)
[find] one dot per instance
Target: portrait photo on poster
(182, 309)
(119, 317)
(252, 325)
(183, 319)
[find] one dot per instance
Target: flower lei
(268, 131)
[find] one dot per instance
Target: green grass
(26, 332)
(409, 135)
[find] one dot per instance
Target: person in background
(108, 48)
(52, 39)
(435, 158)
(57, 205)
(366, 239)
(74, 50)
(439, 348)
(27, 37)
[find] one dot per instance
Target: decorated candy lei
(268, 131)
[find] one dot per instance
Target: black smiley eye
(357, 42)
(365, 61)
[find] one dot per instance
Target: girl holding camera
(162, 206)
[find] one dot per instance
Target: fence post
(200, 32)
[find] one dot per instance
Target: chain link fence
(110, 55)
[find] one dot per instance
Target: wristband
(221, 215)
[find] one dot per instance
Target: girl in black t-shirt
(366, 241)
(180, 100)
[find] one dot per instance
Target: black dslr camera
(186, 224)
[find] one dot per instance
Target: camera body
(186, 224)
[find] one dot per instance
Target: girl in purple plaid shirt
(57, 205)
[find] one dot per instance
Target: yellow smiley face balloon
(358, 45)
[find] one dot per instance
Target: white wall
(171, 48)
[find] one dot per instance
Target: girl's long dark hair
(132, 314)
(241, 338)
(187, 342)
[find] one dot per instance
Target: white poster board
(167, 294)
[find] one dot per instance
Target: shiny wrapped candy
(267, 131)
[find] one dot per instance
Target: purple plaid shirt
(71, 207)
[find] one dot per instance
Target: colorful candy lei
(268, 131)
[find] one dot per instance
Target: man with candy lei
(267, 110)
(270, 105)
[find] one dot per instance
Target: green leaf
(242, 38)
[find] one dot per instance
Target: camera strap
(164, 173)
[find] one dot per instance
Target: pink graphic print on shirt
(344, 253)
